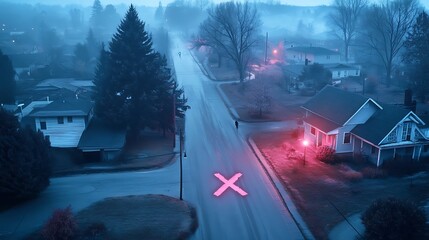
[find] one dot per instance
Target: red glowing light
(229, 184)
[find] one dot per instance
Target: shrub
(326, 154)
(61, 225)
(393, 219)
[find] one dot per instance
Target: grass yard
(318, 189)
(136, 218)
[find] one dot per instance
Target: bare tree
(232, 28)
(345, 20)
(387, 25)
(260, 98)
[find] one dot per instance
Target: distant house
(351, 123)
(340, 71)
(297, 55)
(100, 141)
(63, 122)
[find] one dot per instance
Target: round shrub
(61, 225)
(394, 219)
(326, 154)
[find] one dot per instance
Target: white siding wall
(308, 136)
(364, 114)
(62, 135)
(341, 146)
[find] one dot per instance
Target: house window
(60, 120)
(328, 57)
(357, 72)
(346, 138)
(69, 119)
(313, 131)
(43, 125)
(392, 136)
(339, 73)
(373, 150)
(406, 131)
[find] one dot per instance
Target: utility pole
(266, 48)
(181, 169)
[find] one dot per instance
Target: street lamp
(305, 143)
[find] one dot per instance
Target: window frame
(70, 119)
(60, 120)
(349, 138)
(312, 130)
(43, 125)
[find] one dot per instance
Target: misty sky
(425, 3)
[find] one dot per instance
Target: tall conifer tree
(133, 83)
(7, 80)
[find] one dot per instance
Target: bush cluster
(393, 219)
(326, 154)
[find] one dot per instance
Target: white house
(63, 122)
(351, 123)
(340, 71)
(319, 55)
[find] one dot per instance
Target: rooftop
(71, 107)
(313, 50)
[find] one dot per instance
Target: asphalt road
(214, 145)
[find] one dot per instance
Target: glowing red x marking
(229, 183)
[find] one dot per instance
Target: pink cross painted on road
(229, 183)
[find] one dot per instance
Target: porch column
(378, 157)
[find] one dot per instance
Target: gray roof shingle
(380, 124)
(72, 107)
(335, 105)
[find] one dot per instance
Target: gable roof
(71, 107)
(320, 123)
(381, 123)
(336, 105)
(313, 50)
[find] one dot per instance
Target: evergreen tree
(417, 55)
(159, 13)
(24, 160)
(133, 83)
(7, 80)
(97, 14)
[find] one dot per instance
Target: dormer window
(406, 131)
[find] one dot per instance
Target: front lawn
(135, 217)
(323, 192)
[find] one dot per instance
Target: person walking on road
(236, 124)
(180, 55)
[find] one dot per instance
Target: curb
(287, 201)
(112, 169)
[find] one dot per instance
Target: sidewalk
(287, 201)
